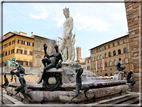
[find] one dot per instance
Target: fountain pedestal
(118, 75)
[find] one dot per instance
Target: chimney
(31, 33)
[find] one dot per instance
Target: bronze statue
(129, 80)
(19, 69)
(51, 63)
(23, 87)
(79, 85)
(118, 66)
(6, 83)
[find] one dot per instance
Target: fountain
(57, 80)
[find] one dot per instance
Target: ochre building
(105, 56)
(27, 50)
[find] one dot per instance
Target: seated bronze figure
(118, 66)
(79, 85)
(51, 63)
(129, 80)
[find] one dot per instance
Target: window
(126, 60)
(88, 61)
(114, 53)
(109, 54)
(97, 57)
(24, 63)
(12, 51)
(100, 49)
(9, 43)
(92, 59)
(101, 70)
(31, 44)
(38, 47)
(106, 74)
(124, 41)
(25, 52)
(25, 43)
(119, 52)
(8, 52)
(101, 65)
(100, 56)
(92, 51)
(97, 50)
(118, 43)
(5, 53)
(125, 50)
(108, 46)
(106, 64)
(19, 41)
(19, 51)
(92, 66)
(30, 64)
(105, 55)
(105, 47)
(31, 53)
(113, 44)
(111, 74)
(38, 62)
(88, 67)
(98, 65)
(114, 62)
(110, 64)
(13, 41)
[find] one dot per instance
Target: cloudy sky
(94, 23)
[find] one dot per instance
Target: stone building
(27, 50)
(38, 50)
(105, 56)
(20, 45)
(134, 20)
(88, 64)
(78, 53)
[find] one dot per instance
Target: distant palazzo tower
(78, 52)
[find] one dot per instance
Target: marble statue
(118, 66)
(23, 87)
(68, 39)
(79, 85)
(129, 80)
(51, 63)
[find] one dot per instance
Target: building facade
(105, 56)
(38, 49)
(27, 50)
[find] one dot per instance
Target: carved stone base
(118, 75)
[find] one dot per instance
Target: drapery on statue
(51, 63)
(118, 66)
(19, 69)
(79, 85)
(68, 39)
(23, 87)
(129, 80)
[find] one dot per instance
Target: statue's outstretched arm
(51, 56)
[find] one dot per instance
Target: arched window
(114, 62)
(92, 59)
(105, 55)
(119, 52)
(125, 50)
(100, 56)
(105, 64)
(114, 53)
(126, 60)
(106, 74)
(109, 54)
(98, 65)
(101, 65)
(110, 64)
(97, 57)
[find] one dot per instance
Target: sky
(93, 23)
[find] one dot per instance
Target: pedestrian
(124, 78)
